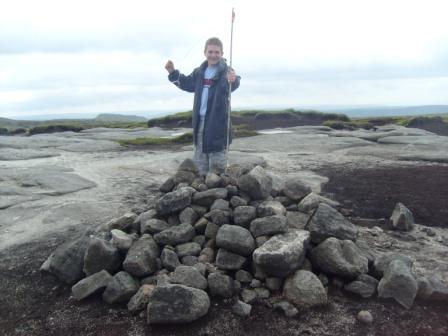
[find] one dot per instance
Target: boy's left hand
(231, 76)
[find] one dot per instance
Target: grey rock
(270, 208)
(190, 260)
(154, 226)
(120, 288)
(235, 239)
(256, 183)
(398, 283)
(288, 309)
(199, 209)
(243, 215)
(327, 222)
(241, 309)
(141, 299)
(220, 204)
(248, 295)
(255, 283)
(207, 197)
(188, 276)
(189, 165)
(439, 290)
(365, 286)
(121, 240)
(201, 268)
(67, 261)
(188, 215)
(278, 183)
(295, 189)
(268, 225)
(339, 257)
(323, 278)
(282, 254)
(402, 218)
(207, 255)
(229, 261)
(364, 316)
(273, 283)
(175, 235)
(259, 241)
(200, 240)
(188, 249)
(174, 201)
(90, 285)
(183, 177)
(169, 259)
(237, 201)
(382, 262)
(141, 259)
(173, 220)
(218, 217)
(211, 230)
(304, 290)
(221, 285)
(297, 219)
(243, 276)
(201, 225)
(286, 201)
(262, 293)
(312, 201)
(123, 223)
(212, 180)
(177, 304)
(167, 186)
(425, 289)
(101, 254)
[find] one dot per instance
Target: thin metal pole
(230, 91)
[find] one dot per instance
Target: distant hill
(111, 117)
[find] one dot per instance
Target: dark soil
(36, 304)
(373, 193)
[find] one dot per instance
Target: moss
(54, 129)
(186, 138)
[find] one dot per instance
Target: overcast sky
(100, 56)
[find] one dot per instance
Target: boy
(210, 84)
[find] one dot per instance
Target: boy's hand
(231, 76)
(169, 66)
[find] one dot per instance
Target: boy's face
(213, 53)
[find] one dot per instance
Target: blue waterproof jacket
(215, 124)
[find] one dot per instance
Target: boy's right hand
(169, 66)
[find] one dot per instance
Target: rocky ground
(53, 187)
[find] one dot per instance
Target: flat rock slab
(12, 154)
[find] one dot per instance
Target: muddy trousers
(208, 162)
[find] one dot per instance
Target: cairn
(246, 236)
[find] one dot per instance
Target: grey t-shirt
(210, 72)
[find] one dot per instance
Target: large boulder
(270, 208)
(188, 276)
(174, 201)
(244, 215)
(257, 184)
(141, 259)
(175, 235)
(296, 189)
(226, 260)
(235, 239)
(207, 197)
(268, 225)
(339, 257)
(67, 261)
(312, 201)
(120, 288)
(282, 254)
(327, 222)
(101, 255)
(177, 304)
(398, 283)
(304, 290)
(90, 285)
(402, 218)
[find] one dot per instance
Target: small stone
(241, 309)
(220, 204)
(255, 283)
(190, 260)
(101, 254)
(212, 180)
(90, 285)
(170, 260)
(188, 276)
(188, 215)
(211, 230)
(248, 295)
(365, 317)
(200, 240)
(259, 241)
(288, 309)
(188, 249)
(140, 299)
(243, 276)
(402, 218)
(262, 293)
(268, 225)
(273, 283)
(201, 225)
(244, 215)
(175, 235)
(237, 201)
(229, 261)
(120, 288)
(153, 226)
(121, 240)
(207, 255)
(270, 208)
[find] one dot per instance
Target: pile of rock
(244, 235)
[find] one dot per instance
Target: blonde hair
(213, 41)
